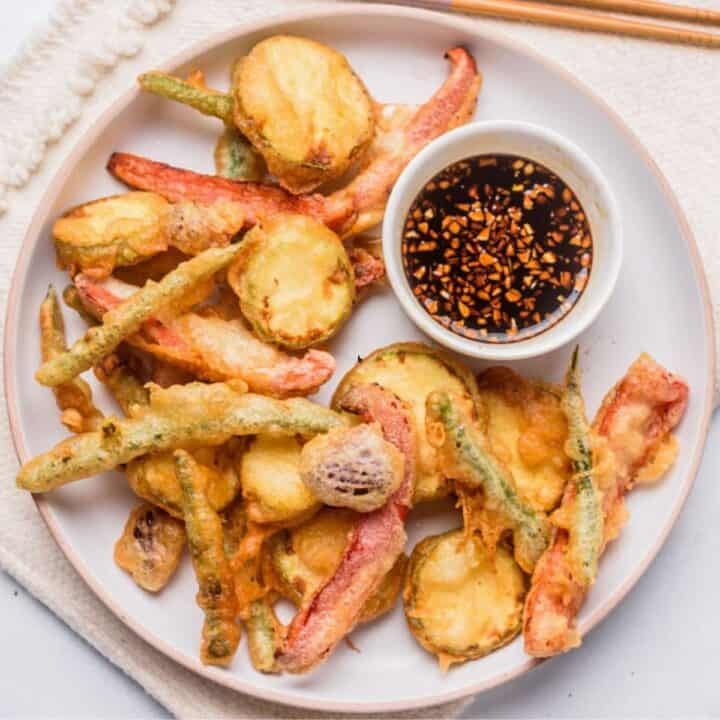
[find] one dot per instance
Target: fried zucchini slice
(302, 106)
(294, 280)
(461, 602)
(305, 557)
(412, 371)
(527, 431)
(271, 483)
(118, 230)
(150, 547)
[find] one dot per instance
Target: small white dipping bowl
(556, 153)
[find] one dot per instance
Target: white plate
(660, 305)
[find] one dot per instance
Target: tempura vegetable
(298, 102)
(388, 592)
(73, 398)
(581, 512)
(245, 547)
(194, 414)
(352, 467)
(264, 634)
(631, 430)
(128, 318)
(150, 547)
(123, 384)
(214, 346)
(526, 428)
(235, 157)
(124, 230)
(305, 557)
(464, 456)
(412, 371)
(374, 545)
(118, 230)
(401, 133)
(192, 228)
(349, 210)
(367, 268)
(153, 478)
(256, 200)
(271, 484)
(216, 594)
(461, 600)
(302, 106)
(189, 92)
(71, 297)
(284, 306)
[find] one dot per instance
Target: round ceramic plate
(660, 306)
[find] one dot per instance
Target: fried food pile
(207, 297)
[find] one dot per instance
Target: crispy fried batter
(285, 306)
(374, 545)
(127, 229)
(462, 601)
(126, 319)
(73, 398)
(348, 211)
(216, 593)
(150, 547)
(631, 427)
(526, 430)
(211, 415)
(214, 348)
(303, 108)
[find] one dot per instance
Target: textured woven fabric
(90, 51)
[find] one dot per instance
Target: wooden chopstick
(537, 12)
(649, 8)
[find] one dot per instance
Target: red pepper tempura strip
(632, 426)
(350, 209)
(375, 543)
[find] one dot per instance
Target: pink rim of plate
(11, 329)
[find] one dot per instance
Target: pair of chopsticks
(548, 13)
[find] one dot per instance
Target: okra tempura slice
(216, 594)
(74, 398)
(581, 511)
(129, 317)
(123, 230)
(194, 414)
(464, 457)
(150, 547)
(632, 432)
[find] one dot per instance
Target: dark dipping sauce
(497, 248)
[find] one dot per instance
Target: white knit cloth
(90, 51)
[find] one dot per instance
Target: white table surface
(655, 656)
